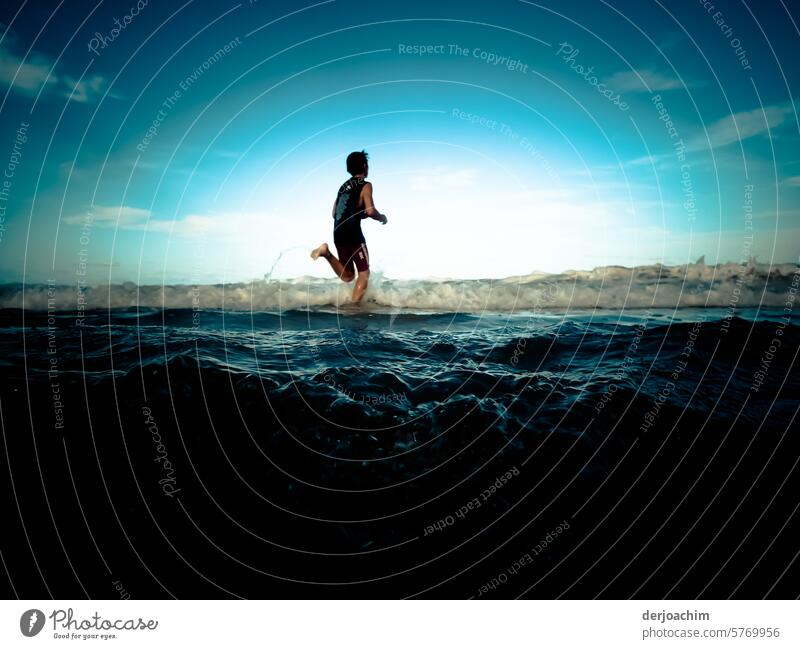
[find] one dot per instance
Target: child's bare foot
(321, 251)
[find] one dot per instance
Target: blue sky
(505, 137)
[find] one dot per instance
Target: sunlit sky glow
(237, 177)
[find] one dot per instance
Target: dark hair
(357, 162)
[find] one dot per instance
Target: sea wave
(729, 285)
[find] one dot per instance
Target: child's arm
(369, 206)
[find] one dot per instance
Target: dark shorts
(353, 253)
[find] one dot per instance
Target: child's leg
(342, 273)
(361, 285)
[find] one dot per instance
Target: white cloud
(86, 90)
(26, 77)
(647, 160)
(243, 227)
(741, 126)
(37, 72)
(642, 81)
(104, 216)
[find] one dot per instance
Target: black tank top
(347, 216)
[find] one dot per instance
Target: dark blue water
(211, 453)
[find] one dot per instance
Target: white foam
(691, 285)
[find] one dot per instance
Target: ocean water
(401, 452)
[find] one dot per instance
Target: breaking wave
(610, 287)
